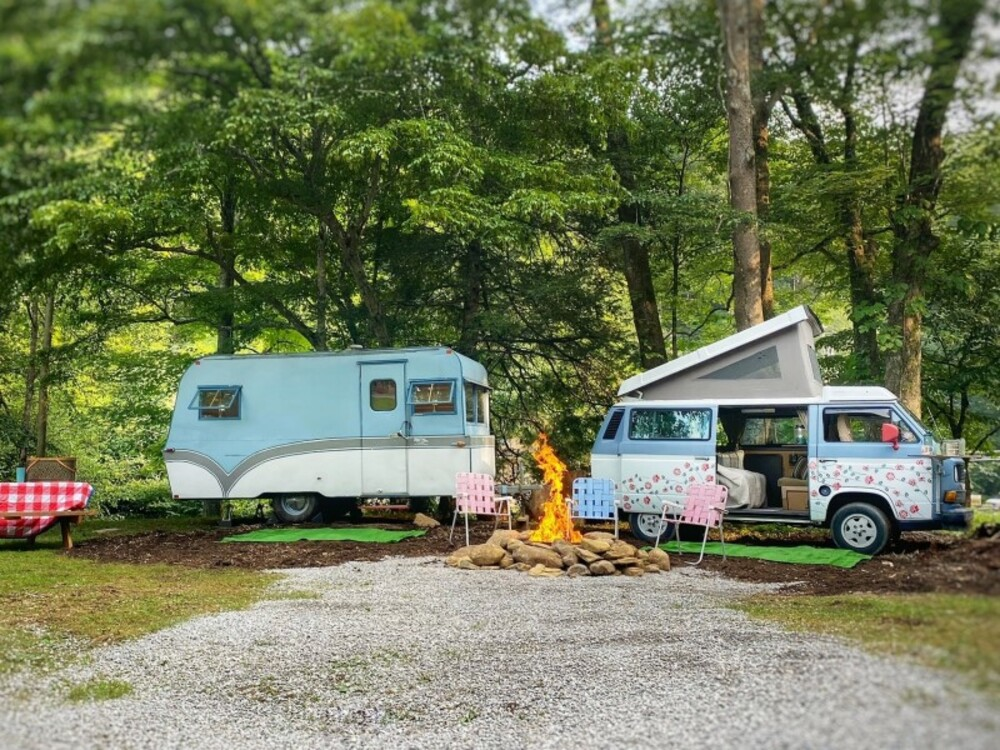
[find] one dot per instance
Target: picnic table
(29, 508)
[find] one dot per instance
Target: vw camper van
(752, 412)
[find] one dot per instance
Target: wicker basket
(51, 469)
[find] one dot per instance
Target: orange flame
(556, 522)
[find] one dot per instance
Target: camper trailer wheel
(861, 527)
(294, 508)
(645, 526)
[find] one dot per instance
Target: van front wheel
(294, 508)
(645, 526)
(861, 527)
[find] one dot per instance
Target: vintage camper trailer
(316, 432)
(752, 412)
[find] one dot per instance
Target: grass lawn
(49, 599)
(957, 633)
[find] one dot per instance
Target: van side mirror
(890, 434)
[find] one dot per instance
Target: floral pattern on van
(645, 494)
(908, 483)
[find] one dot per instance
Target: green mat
(803, 555)
(381, 536)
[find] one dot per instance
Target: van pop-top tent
(776, 358)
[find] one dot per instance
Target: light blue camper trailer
(316, 432)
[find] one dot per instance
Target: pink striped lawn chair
(475, 494)
(704, 505)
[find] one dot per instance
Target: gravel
(407, 653)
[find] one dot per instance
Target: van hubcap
(859, 530)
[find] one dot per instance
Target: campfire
(556, 522)
(556, 547)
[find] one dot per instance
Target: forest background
(553, 189)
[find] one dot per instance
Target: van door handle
(829, 460)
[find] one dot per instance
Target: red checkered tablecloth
(38, 497)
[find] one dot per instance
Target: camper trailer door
(384, 430)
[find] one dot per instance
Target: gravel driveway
(406, 653)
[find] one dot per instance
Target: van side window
(433, 398)
(217, 402)
(670, 424)
(382, 395)
(861, 426)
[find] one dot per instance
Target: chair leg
(510, 519)
(722, 541)
(704, 539)
(454, 518)
(467, 542)
(659, 529)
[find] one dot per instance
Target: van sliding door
(384, 429)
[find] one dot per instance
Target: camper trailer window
(476, 402)
(433, 398)
(382, 395)
(670, 424)
(218, 402)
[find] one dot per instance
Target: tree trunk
(321, 342)
(472, 297)
(762, 106)
(861, 253)
(224, 340)
(734, 15)
(30, 380)
(635, 254)
(913, 220)
(44, 375)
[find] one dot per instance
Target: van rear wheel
(295, 508)
(645, 526)
(861, 527)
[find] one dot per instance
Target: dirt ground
(919, 562)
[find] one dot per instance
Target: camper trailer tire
(861, 527)
(295, 508)
(645, 526)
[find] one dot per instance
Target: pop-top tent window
(433, 398)
(218, 402)
(759, 366)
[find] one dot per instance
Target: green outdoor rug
(381, 536)
(803, 555)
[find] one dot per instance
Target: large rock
(624, 562)
(541, 571)
(659, 558)
(481, 554)
(620, 549)
(602, 568)
(634, 571)
(597, 546)
(604, 535)
(507, 562)
(503, 537)
(425, 522)
(531, 555)
(578, 570)
(465, 563)
(587, 556)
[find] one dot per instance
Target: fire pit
(556, 547)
